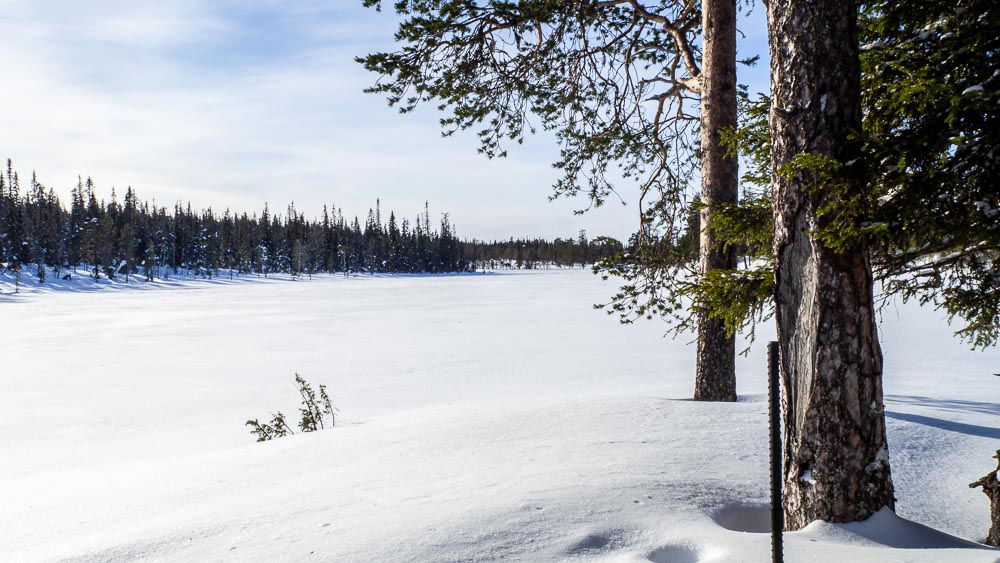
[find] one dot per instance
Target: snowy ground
(484, 417)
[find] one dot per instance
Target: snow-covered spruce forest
(41, 238)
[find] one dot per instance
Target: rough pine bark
(836, 465)
(716, 373)
(991, 487)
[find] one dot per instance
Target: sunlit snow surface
(484, 417)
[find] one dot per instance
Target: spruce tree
(125, 238)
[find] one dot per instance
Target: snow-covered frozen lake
(483, 417)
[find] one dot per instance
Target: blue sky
(231, 103)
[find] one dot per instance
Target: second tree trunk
(716, 372)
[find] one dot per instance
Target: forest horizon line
(136, 237)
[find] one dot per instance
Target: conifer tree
(124, 239)
(618, 81)
(14, 235)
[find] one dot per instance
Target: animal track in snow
(744, 518)
(597, 542)
(686, 553)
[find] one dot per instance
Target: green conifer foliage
(930, 80)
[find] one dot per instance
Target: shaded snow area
(483, 417)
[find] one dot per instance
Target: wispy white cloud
(231, 103)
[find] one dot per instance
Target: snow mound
(684, 553)
(886, 529)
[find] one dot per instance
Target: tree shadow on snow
(952, 405)
(960, 427)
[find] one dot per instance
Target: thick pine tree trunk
(836, 464)
(716, 372)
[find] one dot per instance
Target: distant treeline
(133, 238)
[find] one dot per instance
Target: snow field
(483, 417)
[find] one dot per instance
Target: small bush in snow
(265, 431)
(313, 410)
